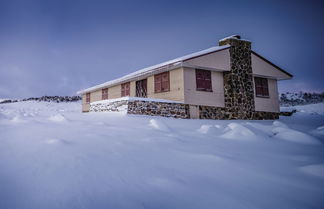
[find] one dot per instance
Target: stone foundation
(221, 113)
(115, 106)
(139, 107)
(258, 115)
(209, 112)
(176, 110)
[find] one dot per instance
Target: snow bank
(309, 109)
(319, 130)
(57, 118)
(18, 119)
(209, 129)
(105, 160)
(159, 125)
(294, 136)
(204, 129)
(238, 131)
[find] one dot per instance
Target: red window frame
(87, 98)
(162, 82)
(104, 93)
(261, 87)
(203, 80)
(125, 89)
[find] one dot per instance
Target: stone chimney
(238, 82)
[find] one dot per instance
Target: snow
(309, 109)
(294, 136)
(57, 118)
(53, 156)
(152, 69)
(238, 132)
(159, 125)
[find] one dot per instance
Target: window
(125, 89)
(105, 93)
(203, 80)
(261, 87)
(162, 82)
(88, 98)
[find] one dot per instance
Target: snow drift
(60, 158)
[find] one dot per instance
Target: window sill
(265, 97)
(156, 92)
(205, 90)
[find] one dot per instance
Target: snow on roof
(233, 37)
(151, 69)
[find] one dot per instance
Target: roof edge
(170, 64)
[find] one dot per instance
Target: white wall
(270, 104)
(192, 96)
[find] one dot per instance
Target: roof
(155, 68)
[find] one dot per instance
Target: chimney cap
(227, 40)
(231, 37)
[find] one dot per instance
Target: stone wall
(258, 115)
(115, 106)
(238, 83)
(139, 107)
(221, 113)
(176, 110)
(216, 113)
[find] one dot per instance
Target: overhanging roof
(171, 64)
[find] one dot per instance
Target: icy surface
(53, 156)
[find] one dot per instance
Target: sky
(56, 47)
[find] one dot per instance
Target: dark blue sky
(58, 47)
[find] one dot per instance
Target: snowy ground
(52, 156)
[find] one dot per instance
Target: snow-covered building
(229, 81)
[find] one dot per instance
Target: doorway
(141, 88)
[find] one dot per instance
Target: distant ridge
(300, 98)
(56, 99)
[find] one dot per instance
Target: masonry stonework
(116, 106)
(238, 82)
(139, 107)
(176, 110)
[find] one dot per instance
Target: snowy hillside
(300, 98)
(53, 156)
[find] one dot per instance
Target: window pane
(203, 80)
(261, 86)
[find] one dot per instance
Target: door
(141, 88)
(194, 111)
